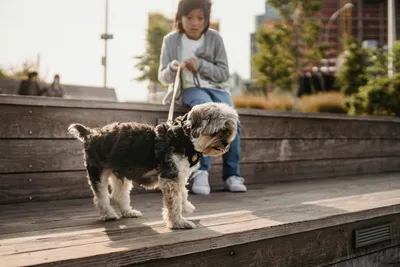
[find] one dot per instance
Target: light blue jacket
(212, 61)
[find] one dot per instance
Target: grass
(262, 102)
(332, 102)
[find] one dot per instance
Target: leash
(196, 156)
(176, 84)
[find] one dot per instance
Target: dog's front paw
(132, 214)
(188, 207)
(109, 216)
(181, 224)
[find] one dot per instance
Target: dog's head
(212, 127)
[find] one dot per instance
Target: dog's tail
(79, 131)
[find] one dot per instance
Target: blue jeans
(195, 96)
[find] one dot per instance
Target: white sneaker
(200, 183)
(235, 184)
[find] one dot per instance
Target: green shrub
(353, 73)
(380, 96)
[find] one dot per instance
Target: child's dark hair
(186, 6)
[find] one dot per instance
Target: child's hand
(175, 64)
(191, 64)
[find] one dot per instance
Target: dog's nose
(224, 143)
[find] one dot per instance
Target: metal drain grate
(372, 235)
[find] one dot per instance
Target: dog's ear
(195, 122)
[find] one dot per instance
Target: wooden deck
(274, 225)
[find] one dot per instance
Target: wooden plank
(310, 128)
(55, 115)
(40, 155)
(98, 104)
(20, 187)
(28, 187)
(261, 173)
(35, 101)
(323, 116)
(44, 186)
(53, 122)
(292, 209)
(389, 257)
(89, 92)
(219, 202)
(256, 151)
(83, 217)
(125, 253)
(32, 155)
(300, 249)
(81, 212)
(133, 232)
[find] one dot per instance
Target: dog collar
(195, 158)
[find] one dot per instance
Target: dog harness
(182, 142)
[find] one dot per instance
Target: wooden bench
(313, 180)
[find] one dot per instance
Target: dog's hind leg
(120, 194)
(172, 200)
(99, 184)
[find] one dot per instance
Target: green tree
(396, 56)
(354, 70)
(380, 95)
(290, 45)
(149, 61)
(377, 64)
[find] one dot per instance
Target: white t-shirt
(188, 48)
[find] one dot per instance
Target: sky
(66, 35)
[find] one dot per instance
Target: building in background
(236, 84)
(266, 20)
(367, 21)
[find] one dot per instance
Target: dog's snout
(225, 143)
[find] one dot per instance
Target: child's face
(194, 23)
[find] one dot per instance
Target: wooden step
(300, 223)
(40, 161)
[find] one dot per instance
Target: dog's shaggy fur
(163, 156)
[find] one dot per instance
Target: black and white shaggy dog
(136, 154)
